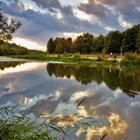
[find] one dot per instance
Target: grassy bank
(131, 60)
(65, 58)
(127, 60)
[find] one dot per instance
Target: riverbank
(9, 59)
(68, 57)
(76, 58)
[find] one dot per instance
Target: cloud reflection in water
(56, 92)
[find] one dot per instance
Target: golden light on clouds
(117, 127)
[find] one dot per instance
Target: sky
(43, 19)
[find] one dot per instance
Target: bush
(131, 56)
(99, 58)
(76, 56)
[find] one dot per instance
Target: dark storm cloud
(127, 9)
(48, 3)
(46, 21)
(51, 5)
(43, 26)
(103, 14)
(94, 9)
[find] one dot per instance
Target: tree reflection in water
(13, 64)
(123, 78)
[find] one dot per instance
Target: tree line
(7, 28)
(114, 41)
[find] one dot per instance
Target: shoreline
(81, 59)
(10, 59)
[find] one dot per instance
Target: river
(97, 98)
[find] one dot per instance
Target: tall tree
(51, 46)
(99, 43)
(69, 44)
(138, 41)
(129, 39)
(60, 45)
(84, 43)
(113, 42)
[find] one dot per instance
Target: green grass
(70, 59)
(48, 58)
(130, 63)
(15, 125)
(129, 59)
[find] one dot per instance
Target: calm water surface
(69, 93)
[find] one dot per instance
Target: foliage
(76, 56)
(131, 60)
(131, 56)
(14, 49)
(16, 125)
(138, 42)
(7, 28)
(59, 45)
(114, 41)
(84, 43)
(129, 39)
(51, 46)
(100, 40)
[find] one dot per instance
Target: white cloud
(29, 44)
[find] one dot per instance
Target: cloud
(48, 3)
(94, 9)
(110, 11)
(41, 26)
(128, 9)
(102, 13)
(52, 5)
(43, 19)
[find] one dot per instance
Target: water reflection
(125, 79)
(57, 93)
(4, 65)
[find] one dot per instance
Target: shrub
(99, 58)
(131, 56)
(76, 56)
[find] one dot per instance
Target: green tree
(69, 44)
(99, 43)
(51, 46)
(84, 43)
(129, 39)
(7, 28)
(113, 42)
(60, 45)
(138, 42)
